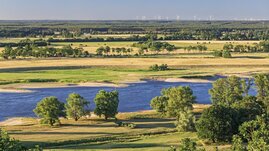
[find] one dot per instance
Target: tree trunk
(50, 122)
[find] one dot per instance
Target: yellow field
(135, 62)
(212, 45)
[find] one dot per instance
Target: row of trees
(219, 34)
(199, 47)
(157, 67)
(108, 39)
(50, 109)
(23, 43)
(183, 30)
(42, 52)
(101, 51)
(153, 46)
(235, 116)
(257, 47)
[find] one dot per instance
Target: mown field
(151, 133)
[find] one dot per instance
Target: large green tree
(106, 104)
(76, 106)
(262, 85)
(217, 123)
(179, 99)
(49, 110)
(176, 102)
(247, 109)
(255, 133)
(159, 104)
(227, 91)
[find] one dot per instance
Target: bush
(156, 67)
(10, 144)
(187, 145)
(226, 54)
(124, 124)
(217, 53)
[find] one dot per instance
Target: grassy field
(212, 45)
(118, 70)
(152, 133)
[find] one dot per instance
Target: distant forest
(171, 30)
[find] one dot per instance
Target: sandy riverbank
(23, 87)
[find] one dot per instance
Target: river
(135, 97)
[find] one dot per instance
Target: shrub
(217, 53)
(9, 144)
(154, 67)
(226, 54)
(161, 67)
(125, 124)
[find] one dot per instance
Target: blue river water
(135, 97)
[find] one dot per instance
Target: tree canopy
(76, 106)
(106, 104)
(49, 110)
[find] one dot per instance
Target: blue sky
(133, 9)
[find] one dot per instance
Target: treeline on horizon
(172, 30)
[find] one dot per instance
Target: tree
(255, 133)
(248, 108)
(228, 47)
(100, 51)
(187, 145)
(180, 99)
(262, 85)
(176, 102)
(10, 144)
(159, 104)
(185, 121)
(238, 144)
(49, 110)
(106, 104)
(227, 91)
(76, 106)
(217, 123)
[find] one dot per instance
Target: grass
(30, 132)
(212, 45)
(118, 70)
(152, 133)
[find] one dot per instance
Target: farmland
(113, 54)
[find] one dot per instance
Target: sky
(134, 9)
